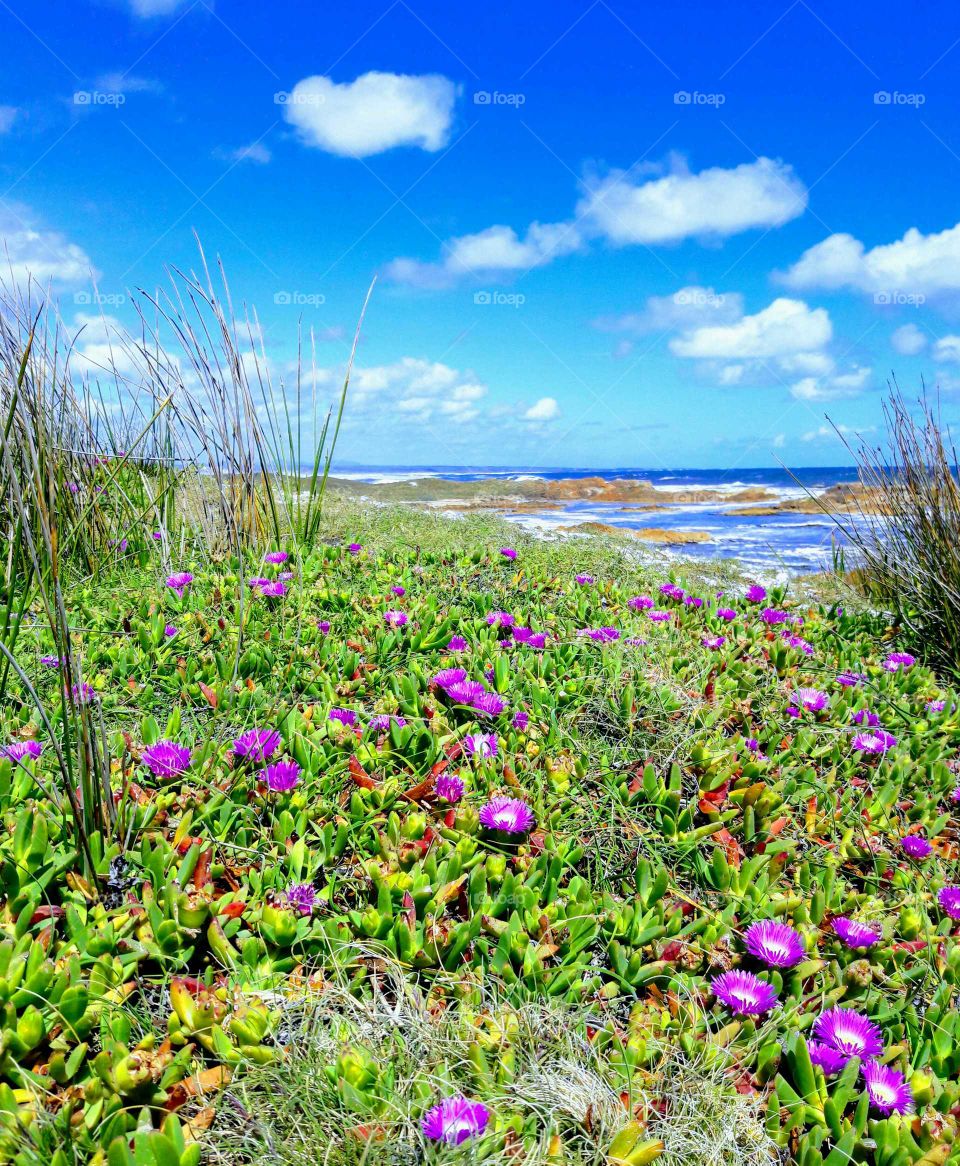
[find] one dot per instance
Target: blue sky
(604, 234)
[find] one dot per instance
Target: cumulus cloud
(917, 264)
(784, 328)
(546, 409)
(690, 307)
(29, 249)
(832, 387)
(908, 340)
(8, 115)
(947, 348)
(714, 202)
(376, 112)
(418, 388)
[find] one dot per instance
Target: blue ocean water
(772, 546)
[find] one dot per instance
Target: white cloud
(546, 409)
(8, 115)
(915, 265)
(908, 340)
(808, 363)
(690, 307)
(255, 152)
(419, 388)
(830, 388)
(829, 433)
(784, 328)
(947, 348)
(679, 205)
(376, 112)
(27, 249)
(154, 7)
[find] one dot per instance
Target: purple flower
(396, 619)
(457, 644)
(743, 993)
(529, 637)
(936, 706)
(851, 679)
(276, 557)
(659, 616)
(465, 691)
(520, 720)
(949, 900)
(323, 627)
(792, 711)
(448, 676)
(635, 642)
(855, 934)
(756, 594)
(18, 750)
(600, 635)
(886, 1088)
(354, 548)
(344, 716)
(170, 630)
(258, 581)
(713, 642)
(450, 788)
(273, 589)
(256, 744)
(157, 535)
(875, 742)
(773, 616)
(282, 776)
(120, 543)
(798, 643)
(285, 576)
(849, 1032)
(381, 722)
(754, 746)
(491, 703)
(829, 1060)
(511, 815)
(179, 581)
(51, 661)
(508, 552)
(726, 613)
(73, 487)
(897, 660)
(166, 759)
(82, 693)
(584, 580)
(480, 744)
(812, 699)
(672, 591)
(916, 846)
(865, 717)
(500, 619)
(693, 601)
(454, 1120)
(398, 591)
(640, 602)
(776, 944)
(301, 897)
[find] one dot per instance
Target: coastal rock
(652, 534)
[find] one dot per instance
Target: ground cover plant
(419, 846)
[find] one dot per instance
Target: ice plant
(344, 716)
(855, 934)
(659, 616)
(886, 1088)
(849, 1032)
(465, 691)
(756, 593)
(457, 644)
(282, 776)
(273, 589)
(398, 591)
(301, 897)
(256, 745)
(447, 676)
(916, 846)
(454, 1120)
(829, 1060)
(179, 582)
(450, 788)
(480, 744)
(584, 580)
(672, 591)
(743, 993)
(898, 660)
(491, 703)
(713, 642)
(520, 720)
(798, 643)
(511, 815)
(876, 742)
(381, 721)
(865, 717)
(166, 759)
(323, 627)
(726, 613)
(170, 630)
(640, 602)
(500, 619)
(812, 699)
(51, 661)
(949, 899)
(17, 751)
(776, 944)
(82, 693)
(276, 557)
(851, 679)
(773, 616)
(508, 552)
(354, 548)
(396, 619)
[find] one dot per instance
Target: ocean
(772, 546)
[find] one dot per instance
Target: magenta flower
(851, 679)
(672, 591)
(450, 788)
(743, 993)
(398, 591)
(773, 616)
(754, 746)
(354, 548)
(166, 759)
(756, 594)
(465, 691)
(323, 627)
(584, 580)
(659, 616)
(511, 815)
(876, 742)
(157, 536)
(491, 703)
(812, 699)
(798, 643)
(886, 1088)
(640, 602)
(897, 660)
(82, 693)
(949, 900)
(457, 644)
(344, 716)
(447, 676)
(170, 630)
(17, 751)
(936, 706)
(301, 897)
(829, 1060)
(726, 613)
(51, 661)
(454, 1120)
(396, 619)
(381, 722)
(179, 581)
(776, 944)
(693, 601)
(256, 745)
(865, 717)
(855, 934)
(285, 576)
(713, 642)
(480, 744)
(508, 552)
(916, 846)
(276, 557)
(282, 776)
(500, 619)
(257, 582)
(605, 635)
(520, 720)
(849, 1032)
(273, 589)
